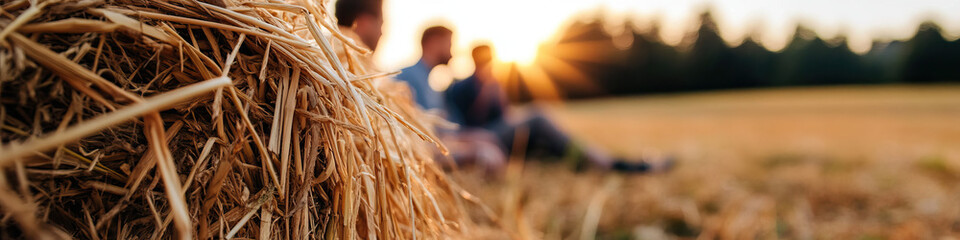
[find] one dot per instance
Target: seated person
(478, 105)
(465, 146)
(362, 21)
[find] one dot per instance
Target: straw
(207, 119)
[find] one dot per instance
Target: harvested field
(805, 163)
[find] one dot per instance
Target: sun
(519, 52)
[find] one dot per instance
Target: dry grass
(125, 119)
(822, 163)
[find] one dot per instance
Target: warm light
(440, 78)
(517, 27)
(520, 52)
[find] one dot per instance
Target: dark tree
(709, 62)
(704, 61)
(931, 58)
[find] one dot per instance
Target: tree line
(705, 62)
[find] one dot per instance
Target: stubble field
(801, 163)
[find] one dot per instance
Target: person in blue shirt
(466, 145)
(435, 43)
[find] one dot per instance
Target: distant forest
(705, 62)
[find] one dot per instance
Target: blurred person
(467, 146)
(361, 20)
(478, 102)
(435, 44)
(478, 105)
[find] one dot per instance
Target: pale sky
(516, 27)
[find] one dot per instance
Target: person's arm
(410, 75)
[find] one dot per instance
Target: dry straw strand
(127, 119)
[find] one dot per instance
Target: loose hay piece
(206, 119)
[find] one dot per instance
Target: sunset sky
(516, 27)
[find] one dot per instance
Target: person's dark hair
(347, 11)
(482, 54)
(434, 31)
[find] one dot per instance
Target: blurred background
(790, 119)
(597, 48)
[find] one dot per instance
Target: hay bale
(205, 119)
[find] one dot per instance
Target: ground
(802, 163)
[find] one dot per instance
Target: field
(800, 163)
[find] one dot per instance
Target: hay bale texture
(137, 119)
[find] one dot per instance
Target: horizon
(516, 36)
